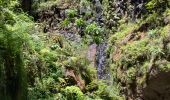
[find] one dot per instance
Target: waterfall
(101, 54)
(101, 57)
(98, 9)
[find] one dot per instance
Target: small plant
(152, 33)
(65, 23)
(131, 73)
(73, 93)
(95, 31)
(71, 13)
(80, 22)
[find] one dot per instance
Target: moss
(124, 30)
(131, 73)
(133, 51)
(164, 31)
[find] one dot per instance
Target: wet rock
(91, 54)
(98, 6)
(76, 79)
(101, 61)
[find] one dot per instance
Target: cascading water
(101, 61)
(101, 54)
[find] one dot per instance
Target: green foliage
(157, 4)
(163, 65)
(167, 12)
(81, 66)
(95, 31)
(41, 5)
(101, 90)
(65, 23)
(154, 20)
(50, 73)
(14, 39)
(131, 73)
(24, 48)
(125, 29)
(135, 50)
(85, 5)
(80, 22)
(141, 50)
(73, 93)
(8, 3)
(41, 90)
(71, 13)
(164, 31)
(153, 33)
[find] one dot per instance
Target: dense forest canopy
(84, 49)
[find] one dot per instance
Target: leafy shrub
(73, 93)
(153, 21)
(80, 22)
(95, 31)
(71, 13)
(124, 30)
(101, 90)
(152, 33)
(159, 5)
(131, 73)
(41, 89)
(132, 52)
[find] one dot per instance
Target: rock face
(74, 78)
(91, 54)
(158, 87)
(128, 9)
(101, 61)
(98, 9)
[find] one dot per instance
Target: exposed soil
(158, 87)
